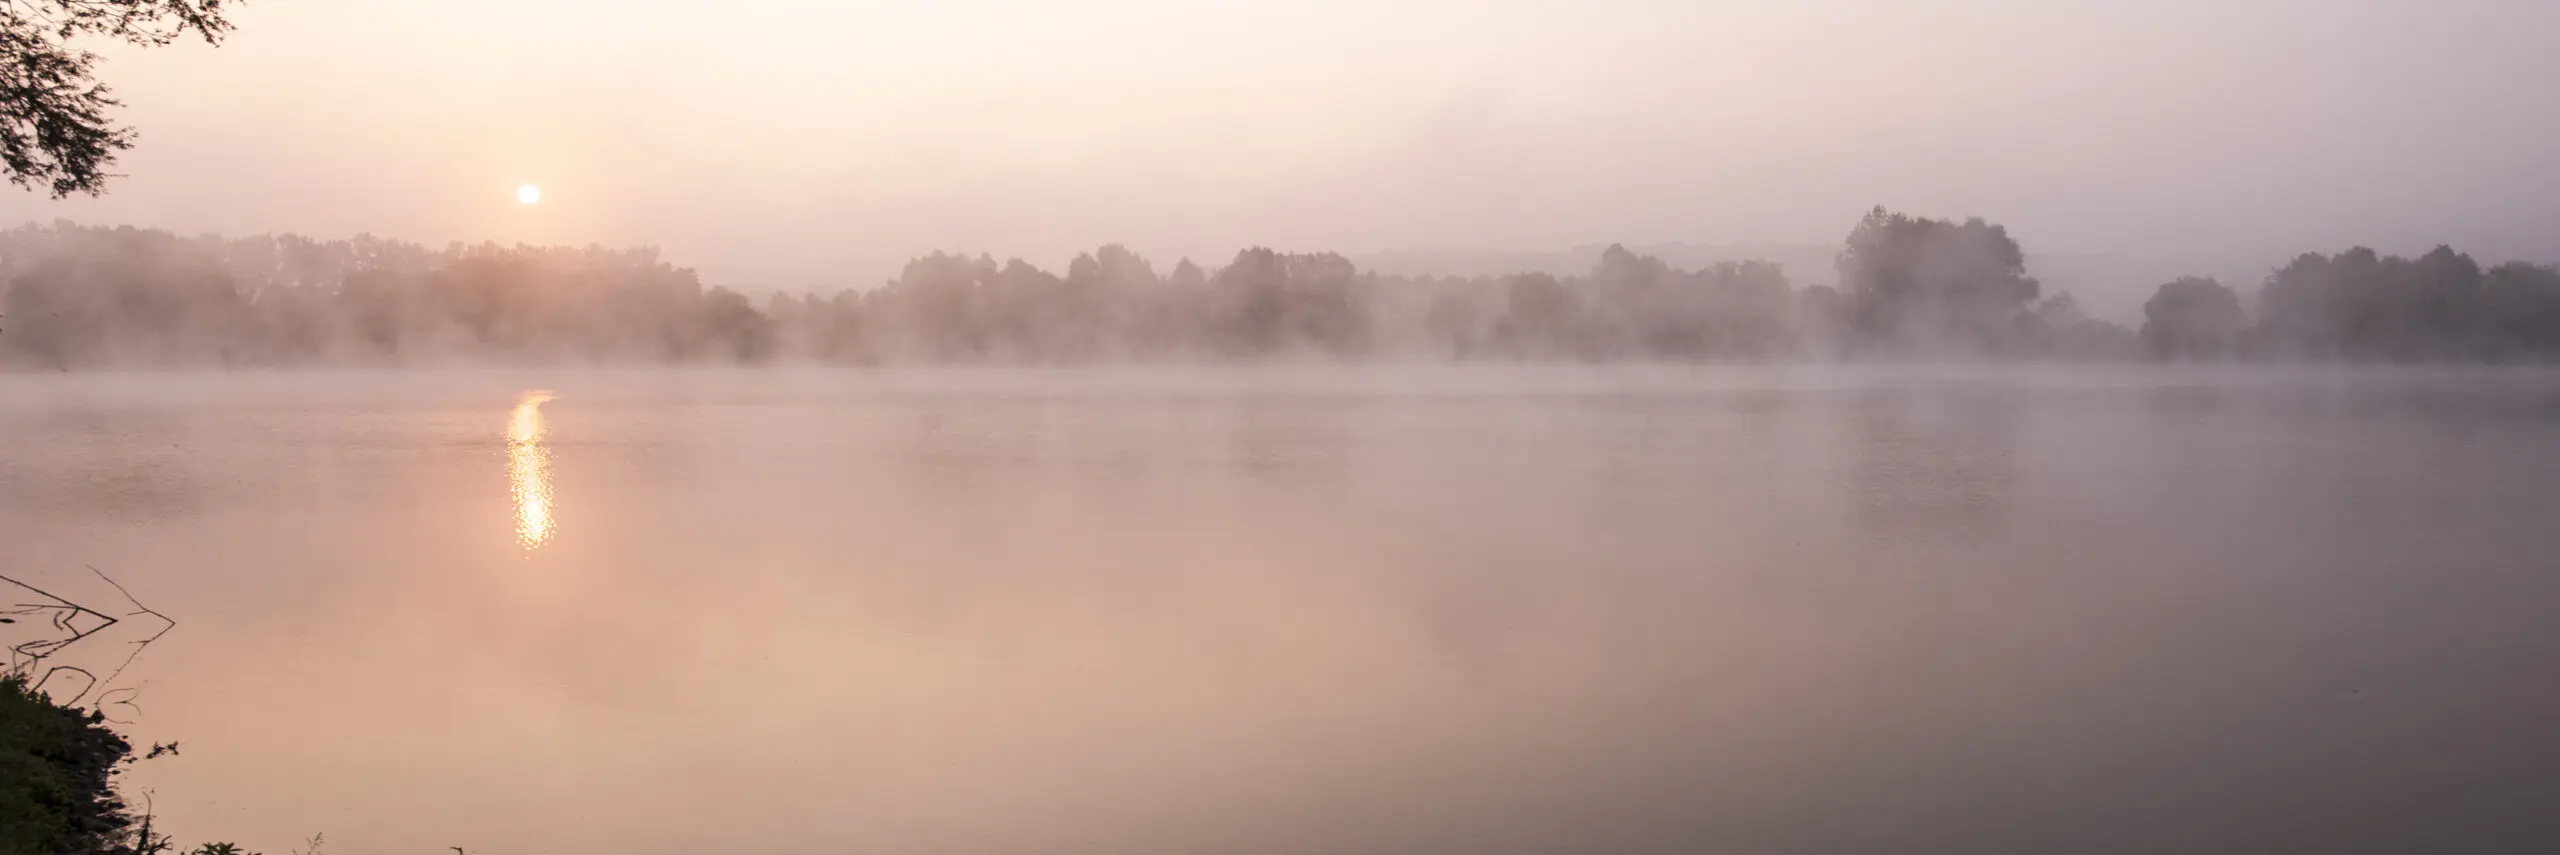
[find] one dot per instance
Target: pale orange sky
(817, 144)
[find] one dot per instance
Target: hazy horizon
(1626, 427)
(789, 146)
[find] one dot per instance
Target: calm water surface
(1323, 610)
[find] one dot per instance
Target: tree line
(1906, 286)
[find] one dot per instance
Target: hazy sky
(779, 143)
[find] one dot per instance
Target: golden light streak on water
(529, 470)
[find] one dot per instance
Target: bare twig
(109, 698)
(60, 613)
(66, 617)
(48, 677)
(166, 624)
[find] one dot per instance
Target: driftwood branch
(61, 613)
(140, 610)
(76, 623)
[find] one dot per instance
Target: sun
(528, 194)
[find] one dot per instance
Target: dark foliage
(1917, 284)
(77, 297)
(55, 131)
(82, 296)
(2192, 319)
(2362, 305)
(57, 769)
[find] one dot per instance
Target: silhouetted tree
(2192, 318)
(1107, 296)
(1460, 317)
(2360, 304)
(55, 132)
(1644, 307)
(84, 296)
(124, 295)
(2060, 311)
(936, 309)
(1923, 284)
(1269, 302)
(1825, 321)
(79, 296)
(1749, 308)
(1541, 317)
(730, 327)
(2520, 308)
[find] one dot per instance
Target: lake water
(1317, 610)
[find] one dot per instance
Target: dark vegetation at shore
(60, 760)
(1905, 287)
(59, 764)
(57, 770)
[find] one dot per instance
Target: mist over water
(1153, 427)
(1325, 609)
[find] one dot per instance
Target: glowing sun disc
(528, 194)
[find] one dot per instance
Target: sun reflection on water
(529, 470)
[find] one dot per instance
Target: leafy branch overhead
(57, 131)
